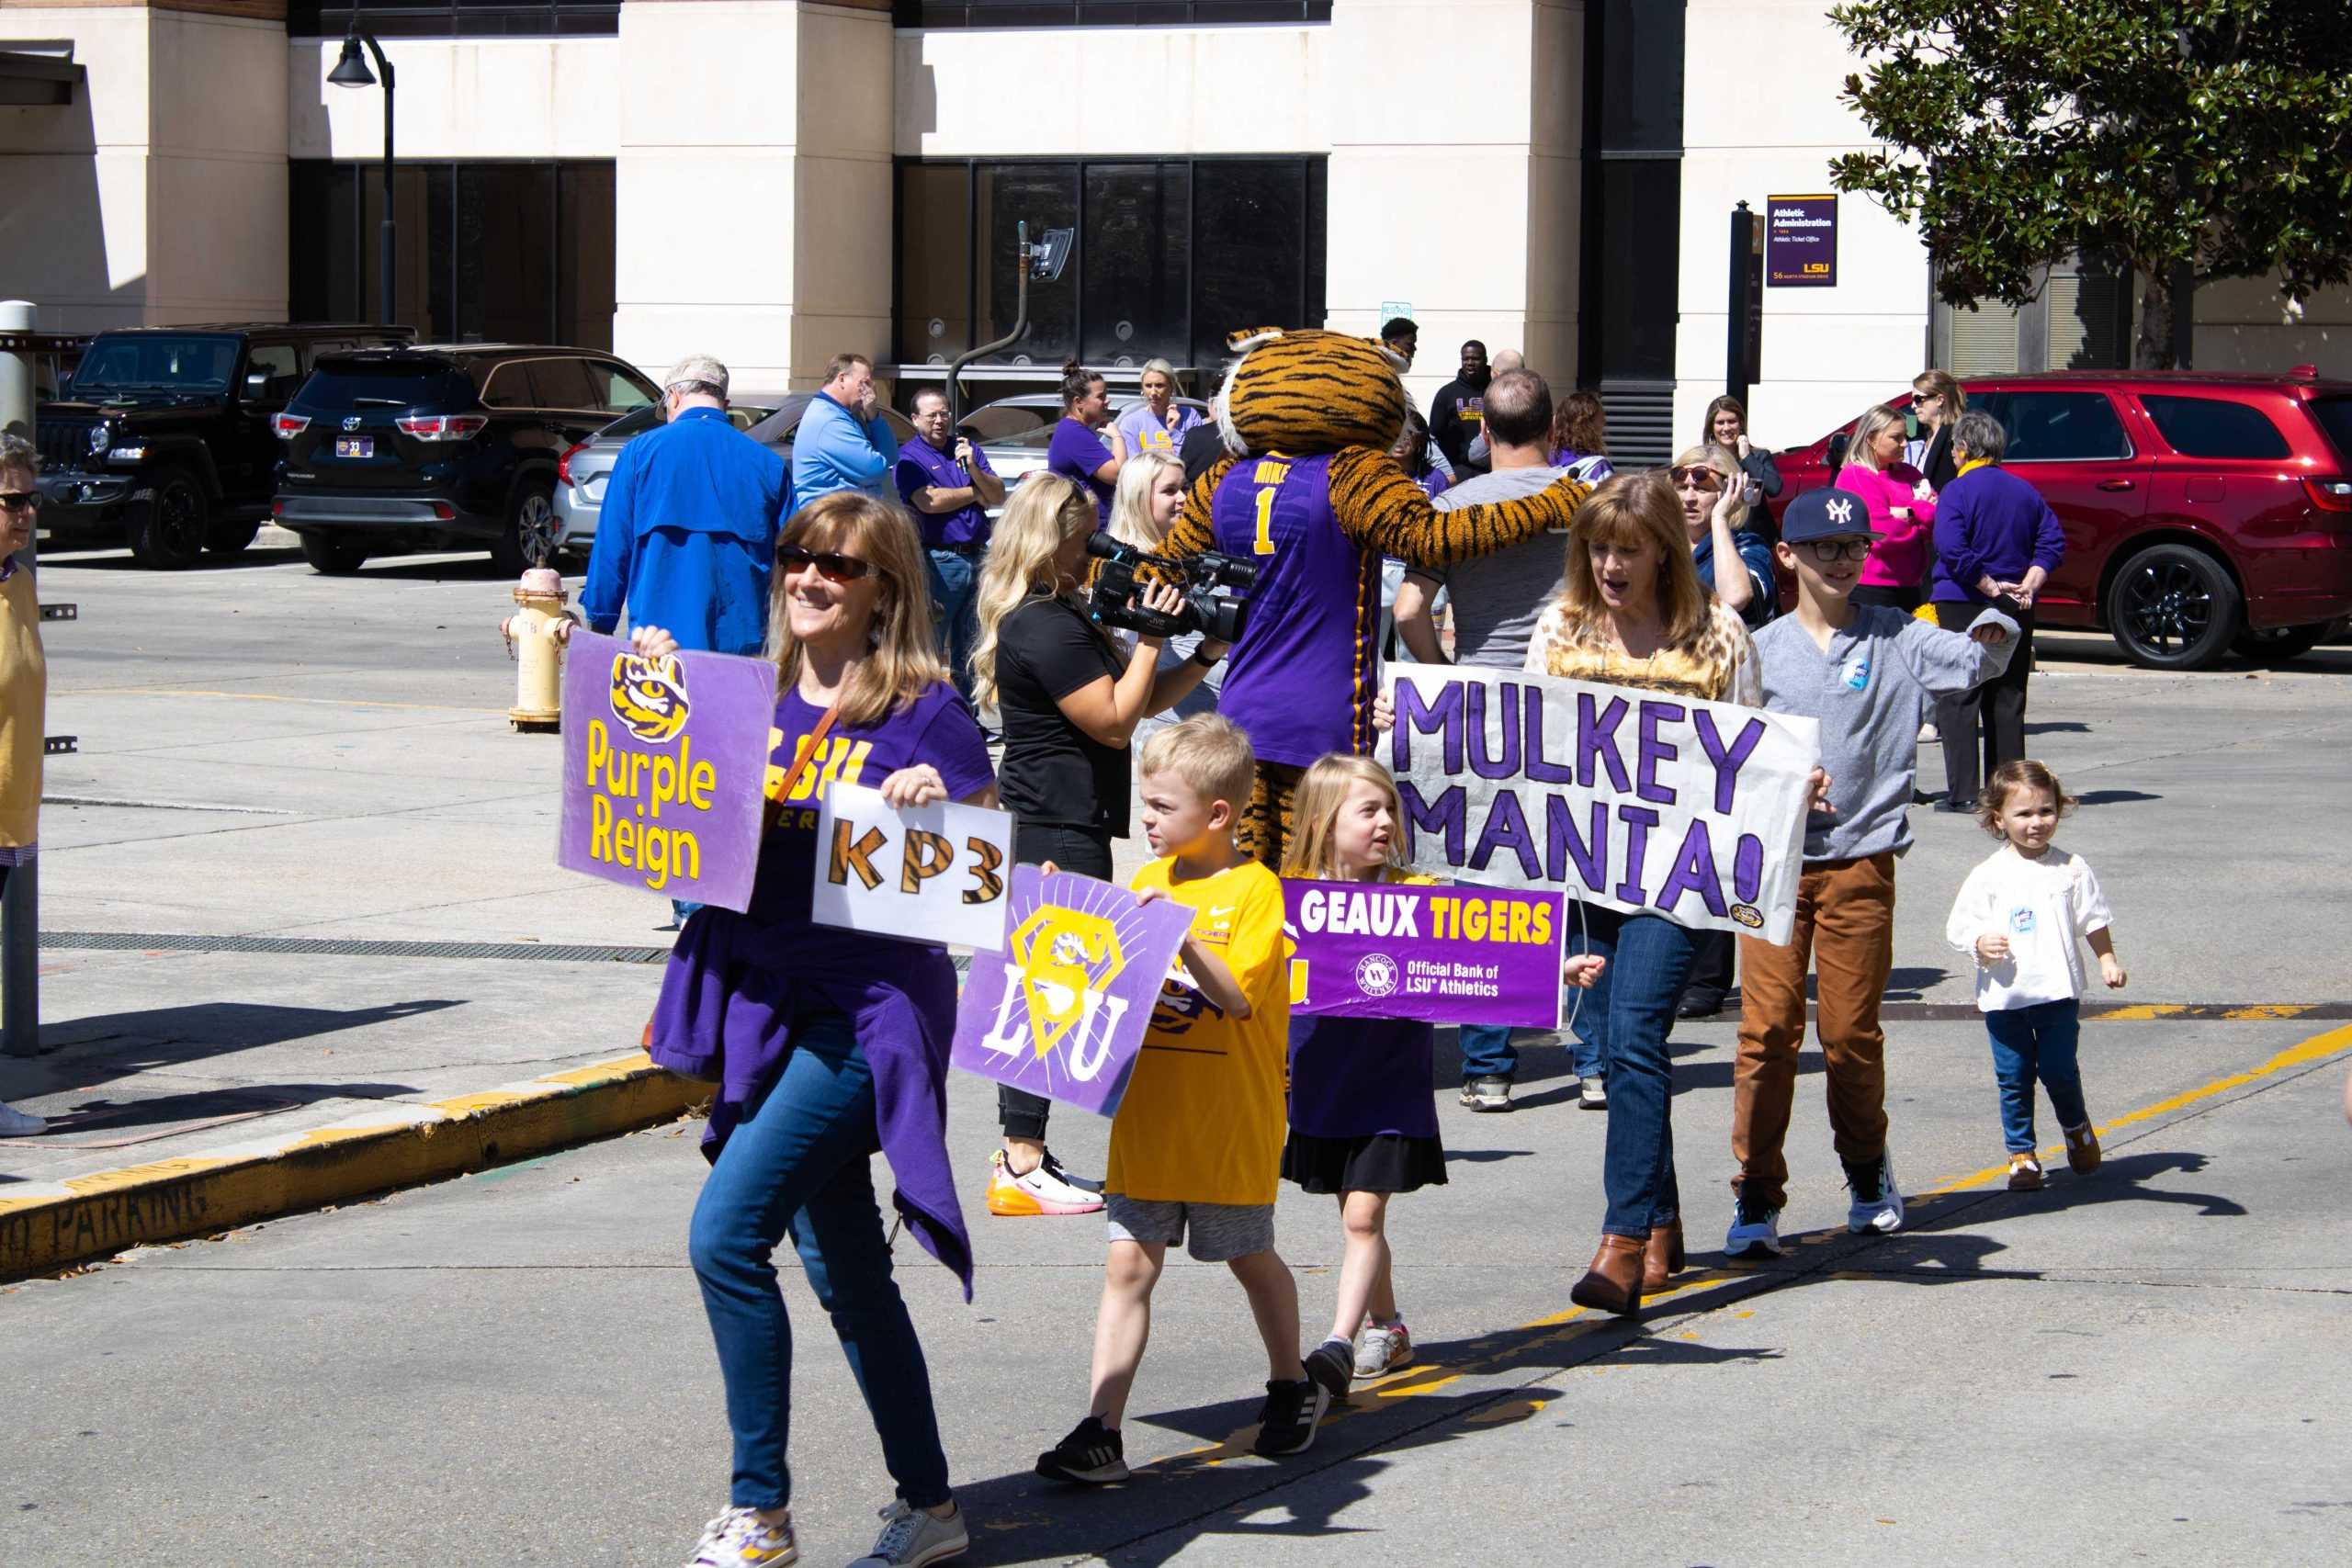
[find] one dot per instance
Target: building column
(1456, 134)
(754, 185)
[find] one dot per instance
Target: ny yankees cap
(1825, 514)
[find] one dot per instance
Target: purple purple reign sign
(664, 764)
(1455, 953)
(1062, 1011)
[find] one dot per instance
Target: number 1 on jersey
(1264, 545)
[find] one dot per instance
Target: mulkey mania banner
(1625, 798)
(664, 760)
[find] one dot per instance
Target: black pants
(1710, 964)
(1996, 707)
(1086, 850)
(1904, 598)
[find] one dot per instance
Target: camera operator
(1150, 494)
(1069, 702)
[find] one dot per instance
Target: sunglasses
(832, 565)
(1705, 479)
(19, 500)
(1827, 550)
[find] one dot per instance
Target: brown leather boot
(1613, 1283)
(1662, 1258)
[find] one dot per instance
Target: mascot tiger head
(649, 695)
(1306, 391)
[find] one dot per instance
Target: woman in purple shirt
(1997, 541)
(1077, 453)
(828, 1044)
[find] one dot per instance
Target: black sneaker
(1286, 1423)
(1330, 1366)
(1699, 1002)
(1093, 1455)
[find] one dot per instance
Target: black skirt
(1377, 1162)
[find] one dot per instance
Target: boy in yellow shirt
(1196, 1145)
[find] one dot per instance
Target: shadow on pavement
(2113, 796)
(106, 1046)
(113, 557)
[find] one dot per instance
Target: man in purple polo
(946, 481)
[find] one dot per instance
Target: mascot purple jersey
(1314, 613)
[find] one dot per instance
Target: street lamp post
(351, 70)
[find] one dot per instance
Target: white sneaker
(911, 1538)
(1755, 1231)
(1592, 1094)
(1384, 1347)
(1878, 1204)
(1048, 1189)
(16, 1123)
(738, 1539)
(1486, 1094)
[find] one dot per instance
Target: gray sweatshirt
(1870, 691)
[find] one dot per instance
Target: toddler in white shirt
(2023, 914)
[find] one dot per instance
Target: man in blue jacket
(843, 442)
(686, 538)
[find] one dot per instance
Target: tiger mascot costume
(1309, 491)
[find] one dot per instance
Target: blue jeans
(2032, 1042)
(1487, 1051)
(801, 1162)
(955, 589)
(1632, 1008)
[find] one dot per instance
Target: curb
(56, 1225)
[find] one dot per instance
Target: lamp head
(351, 70)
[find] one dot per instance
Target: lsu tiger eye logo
(649, 695)
(1067, 959)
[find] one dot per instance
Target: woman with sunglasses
(24, 691)
(1069, 701)
(829, 1045)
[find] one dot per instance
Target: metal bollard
(20, 904)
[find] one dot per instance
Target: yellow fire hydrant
(535, 636)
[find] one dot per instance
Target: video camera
(1216, 615)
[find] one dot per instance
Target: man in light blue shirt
(687, 536)
(843, 442)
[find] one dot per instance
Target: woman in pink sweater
(1901, 509)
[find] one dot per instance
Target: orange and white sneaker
(2025, 1173)
(1048, 1189)
(2082, 1149)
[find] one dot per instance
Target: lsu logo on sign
(1060, 963)
(649, 695)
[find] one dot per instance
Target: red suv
(2204, 514)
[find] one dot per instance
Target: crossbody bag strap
(800, 765)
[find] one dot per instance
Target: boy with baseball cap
(1870, 673)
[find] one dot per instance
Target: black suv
(435, 447)
(164, 435)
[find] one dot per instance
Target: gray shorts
(1220, 1232)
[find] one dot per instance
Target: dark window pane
(563, 384)
(2055, 427)
(2334, 416)
(418, 302)
(1046, 196)
(1639, 77)
(428, 18)
(617, 391)
(584, 244)
(1248, 253)
(2212, 427)
(339, 386)
(934, 311)
(1102, 13)
(504, 384)
(1634, 248)
(1131, 261)
(323, 235)
(505, 221)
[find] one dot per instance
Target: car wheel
(532, 526)
(170, 536)
(330, 557)
(2174, 607)
(2281, 644)
(230, 538)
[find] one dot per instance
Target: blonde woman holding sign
(828, 1044)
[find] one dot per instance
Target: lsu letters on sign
(663, 764)
(1063, 1010)
(932, 873)
(1630, 799)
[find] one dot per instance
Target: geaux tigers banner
(663, 762)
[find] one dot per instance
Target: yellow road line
(271, 697)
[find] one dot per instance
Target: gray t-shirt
(1498, 598)
(1869, 691)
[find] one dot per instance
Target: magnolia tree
(2189, 140)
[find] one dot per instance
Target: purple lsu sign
(1062, 1011)
(1800, 241)
(1451, 953)
(663, 764)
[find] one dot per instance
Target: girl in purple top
(1362, 1124)
(828, 1045)
(1076, 453)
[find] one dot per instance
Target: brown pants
(1846, 930)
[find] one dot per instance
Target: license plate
(355, 445)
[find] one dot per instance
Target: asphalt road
(2144, 1365)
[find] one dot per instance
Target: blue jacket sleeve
(2049, 541)
(1756, 556)
(605, 594)
(1956, 547)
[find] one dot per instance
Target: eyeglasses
(832, 565)
(1705, 479)
(19, 500)
(1827, 550)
